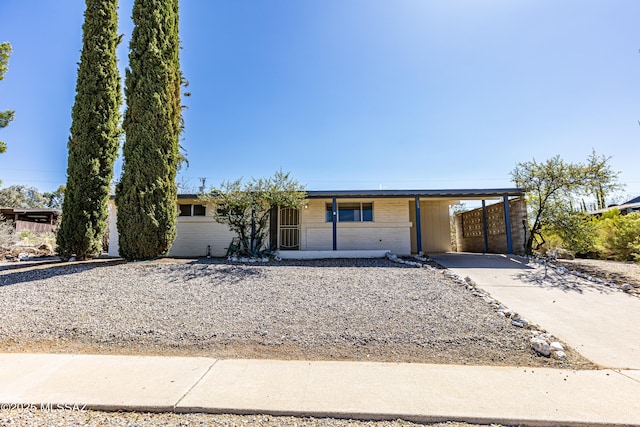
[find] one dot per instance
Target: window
(199, 210)
(184, 210)
(192, 210)
(351, 212)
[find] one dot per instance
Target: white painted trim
(332, 254)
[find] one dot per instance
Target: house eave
(451, 193)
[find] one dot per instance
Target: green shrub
(574, 232)
(618, 236)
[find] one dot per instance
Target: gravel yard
(372, 310)
(135, 419)
(616, 271)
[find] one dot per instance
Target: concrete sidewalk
(599, 322)
(416, 392)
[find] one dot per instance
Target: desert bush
(27, 238)
(12, 243)
(7, 235)
(618, 236)
(574, 232)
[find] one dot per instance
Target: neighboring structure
(36, 219)
(632, 205)
(343, 223)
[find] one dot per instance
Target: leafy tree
(22, 197)
(146, 195)
(7, 115)
(245, 207)
(55, 199)
(554, 188)
(95, 132)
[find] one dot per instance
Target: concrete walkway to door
(601, 323)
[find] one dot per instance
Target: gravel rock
(540, 346)
(137, 419)
(519, 323)
(559, 354)
(556, 346)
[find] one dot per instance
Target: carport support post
(418, 227)
(485, 227)
(335, 223)
(507, 223)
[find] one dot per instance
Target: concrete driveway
(601, 323)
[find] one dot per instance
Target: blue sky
(355, 94)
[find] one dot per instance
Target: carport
(497, 227)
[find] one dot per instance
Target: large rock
(540, 346)
(556, 346)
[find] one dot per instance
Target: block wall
(470, 234)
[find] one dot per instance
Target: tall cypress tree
(95, 132)
(146, 196)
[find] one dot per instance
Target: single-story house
(34, 219)
(627, 207)
(354, 223)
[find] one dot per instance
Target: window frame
(192, 210)
(361, 212)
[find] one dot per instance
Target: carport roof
(456, 194)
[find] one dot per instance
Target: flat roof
(31, 210)
(451, 193)
(625, 206)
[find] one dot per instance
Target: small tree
(554, 188)
(245, 207)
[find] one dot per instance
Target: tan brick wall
(389, 230)
(194, 234)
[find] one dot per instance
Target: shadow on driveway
(481, 261)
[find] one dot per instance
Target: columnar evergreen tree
(146, 196)
(95, 132)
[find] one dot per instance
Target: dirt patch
(609, 271)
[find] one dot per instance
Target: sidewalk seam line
(620, 372)
(194, 385)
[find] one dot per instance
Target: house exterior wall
(114, 247)
(194, 234)
(389, 230)
(434, 224)
(392, 229)
(471, 237)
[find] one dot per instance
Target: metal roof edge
(323, 194)
(493, 192)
